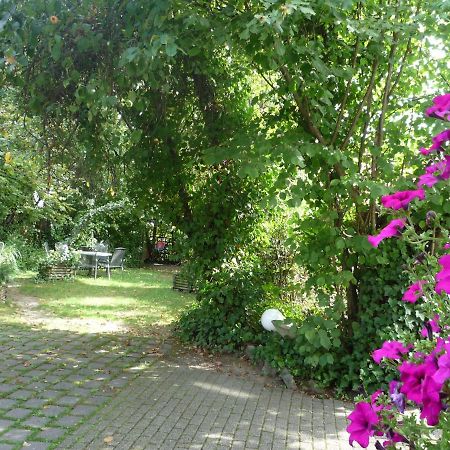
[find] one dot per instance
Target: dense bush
(319, 348)
(8, 262)
(228, 309)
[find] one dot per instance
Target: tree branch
(369, 90)
(346, 95)
(303, 108)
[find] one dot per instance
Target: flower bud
(420, 258)
(430, 217)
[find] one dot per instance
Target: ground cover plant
(418, 361)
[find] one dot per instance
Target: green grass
(9, 314)
(141, 299)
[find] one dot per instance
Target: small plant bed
(57, 265)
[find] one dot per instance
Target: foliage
(8, 262)
(227, 313)
(195, 112)
(63, 257)
(419, 362)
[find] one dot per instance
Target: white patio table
(97, 256)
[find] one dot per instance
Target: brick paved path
(59, 389)
(176, 404)
(51, 381)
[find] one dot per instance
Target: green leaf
(324, 339)
(171, 49)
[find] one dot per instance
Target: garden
(274, 155)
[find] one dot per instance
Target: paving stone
(49, 394)
(67, 400)
(6, 447)
(34, 445)
(83, 410)
(51, 434)
(52, 410)
(18, 413)
(16, 434)
(21, 394)
(35, 403)
(36, 422)
(4, 424)
(7, 403)
(7, 387)
(68, 421)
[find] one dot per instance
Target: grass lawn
(142, 299)
(8, 314)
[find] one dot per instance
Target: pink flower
(393, 439)
(373, 401)
(413, 376)
(363, 421)
(435, 172)
(392, 229)
(438, 142)
(441, 107)
(390, 350)
(431, 326)
(447, 246)
(443, 277)
(444, 261)
(427, 180)
(443, 285)
(445, 175)
(443, 372)
(401, 199)
(431, 400)
(414, 292)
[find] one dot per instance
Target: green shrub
(228, 309)
(64, 257)
(8, 262)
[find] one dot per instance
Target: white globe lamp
(268, 316)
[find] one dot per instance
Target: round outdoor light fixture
(268, 316)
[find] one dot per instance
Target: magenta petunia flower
(444, 261)
(440, 108)
(438, 142)
(393, 439)
(434, 173)
(392, 229)
(390, 350)
(447, 246)
(401, 199)
(431, 326)
(427, 180)
(413, 375)
(431, 400)
(363, 421)
(443, 285)
(414, 292)
(443, 372)
(445, 174)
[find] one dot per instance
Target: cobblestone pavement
(52, 381)
(180, 404)
(60, 389)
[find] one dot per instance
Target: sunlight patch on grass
(138, 298)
